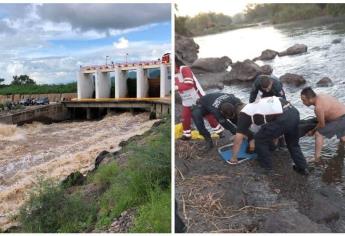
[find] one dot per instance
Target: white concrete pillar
(120, 83)
(165, 84)
(142, 83)
(103, 84)
(85, 85)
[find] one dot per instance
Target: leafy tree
(22, 80)
(1, 80)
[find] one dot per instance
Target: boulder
(100, 158)
(292, 79)
(186, 49)
(244, 71)
(267, 69)
(324, 82)
(212, 80)
(324, 210)
(211, 64)
(268, 54)
(335, 41)
(74, 179)
(295, 49)
(291, 221)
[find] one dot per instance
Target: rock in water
(100, 158)
(292, 79)
(186, 49)
(295, 49)
(324, 82)
(268, 54)
(211, 64)
(267, 69)
(335, 41)
(74, 179)
(212, 80)
(244, 71)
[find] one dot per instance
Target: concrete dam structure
(95, 81)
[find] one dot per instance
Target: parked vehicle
(42, 101)
(25, 102)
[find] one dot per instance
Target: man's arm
(254, 91)
(224, 122)
(237, 146)
(320, 115)
(278, 90)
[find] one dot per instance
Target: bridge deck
(118, 102)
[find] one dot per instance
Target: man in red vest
(190, 91)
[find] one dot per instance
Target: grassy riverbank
(137, 177)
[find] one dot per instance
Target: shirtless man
(330, 114)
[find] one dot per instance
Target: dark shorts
(335, 127)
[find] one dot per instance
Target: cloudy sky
(49, 42)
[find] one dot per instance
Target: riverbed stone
(294, 50)
(292, 79)
(291, 221)
(211, 64)
(186, 49)
(212, 80)
(336, 41)
(324, 82)
(266, 55)
(244, 71)
(267, 69)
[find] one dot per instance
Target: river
(322, 59)
(36, 151)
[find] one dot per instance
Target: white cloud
(122, 43)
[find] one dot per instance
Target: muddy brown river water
(36, 151)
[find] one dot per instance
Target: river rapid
(323, 58)
(34, 152)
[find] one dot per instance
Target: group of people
(264, 122)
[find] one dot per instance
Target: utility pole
(126, 58)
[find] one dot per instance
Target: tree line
(208, 23)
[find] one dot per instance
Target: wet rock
(324, 82)
(268, 54)
(294, 50)
(267, 69)
(244, 71)
(291, 221)
(100, 158)
(335, 41)
(323, 210)
(212, 64)
(258, 193)
(74, 179)
(212, 80)
(292, 79)
(186, 49)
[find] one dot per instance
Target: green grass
(38, 89)
(52, 210)
(154, 215)
(144, 183)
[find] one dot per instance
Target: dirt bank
(215, 197)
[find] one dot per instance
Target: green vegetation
(275, 13)
(38, 89)
(50, 209)
(143, 182)
(154, 215)
(22, 80)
